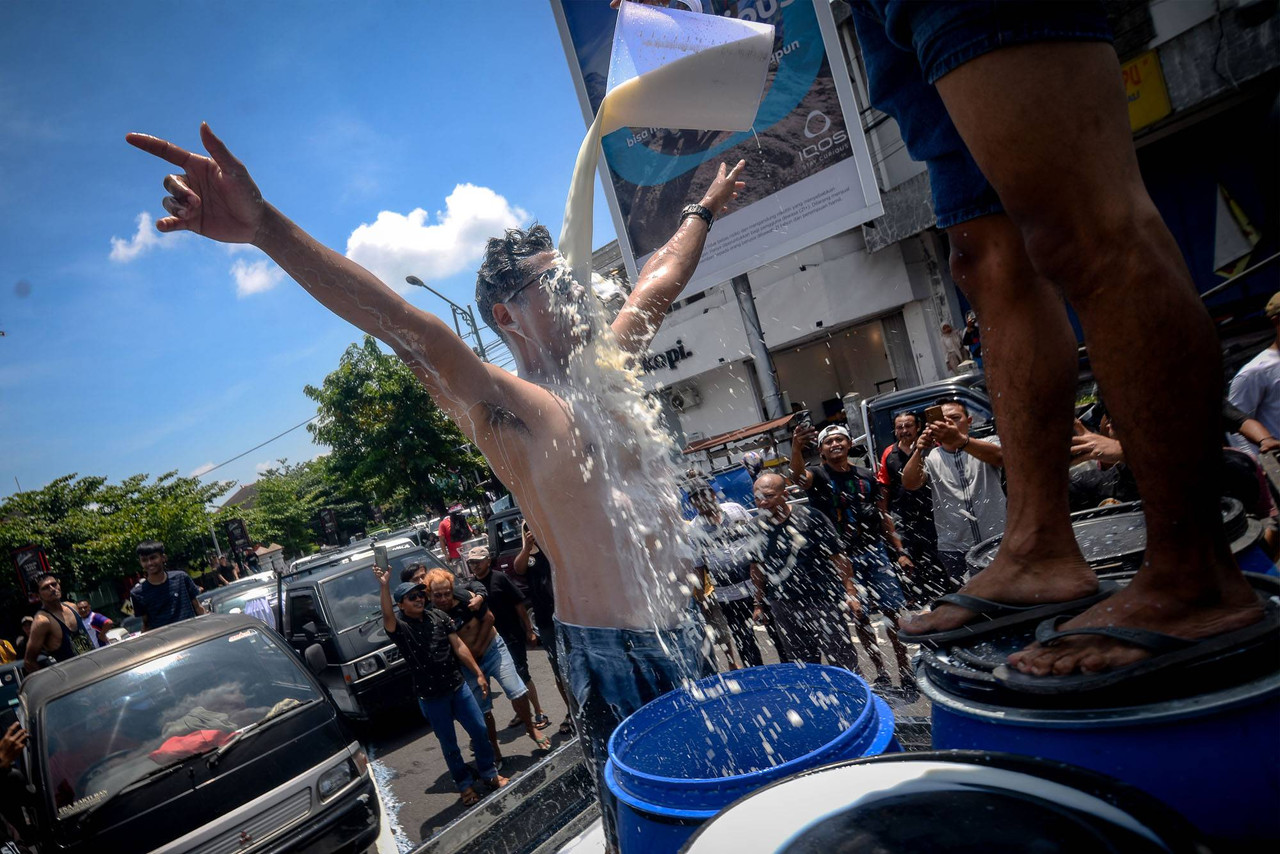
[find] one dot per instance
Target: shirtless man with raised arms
(565, 451)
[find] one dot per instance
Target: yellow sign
(1144, 86)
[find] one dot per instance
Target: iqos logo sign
(816, 125)
(808, 124)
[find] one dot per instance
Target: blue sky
(126, 351)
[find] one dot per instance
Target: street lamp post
(458, 310)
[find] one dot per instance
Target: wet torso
(589, 495)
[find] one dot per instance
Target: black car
(878, 412)
(334, 603)
(206, 735)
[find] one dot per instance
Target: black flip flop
(994, 617)
(1241, 647)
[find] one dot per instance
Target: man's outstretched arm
(671, 267)
(215, 196)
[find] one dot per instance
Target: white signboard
(808, 174)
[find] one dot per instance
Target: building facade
(860, 313)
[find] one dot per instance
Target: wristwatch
(698, 211)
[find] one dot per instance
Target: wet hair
(954, 401)
(437, 575)
(913, 415)
(146, 548)
(501, 271)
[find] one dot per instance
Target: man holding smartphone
(855, 502)
(435, 654)
(964, 476)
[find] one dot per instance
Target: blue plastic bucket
(1215, 758)
(680, 759)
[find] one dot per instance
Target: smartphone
(801, 417)
(932, 414)
(380, 558)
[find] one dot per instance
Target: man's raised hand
(213, 196)
(724, 188)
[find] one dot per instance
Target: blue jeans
(610, 673)
(500, 669)
(908, 46)
(460, 706)
(874, 574)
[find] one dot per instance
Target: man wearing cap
(476, 628)
(511, 619)
(964, 476)
(854, 501)
(1255, 390)
(433, 651)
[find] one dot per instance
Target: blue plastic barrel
(683, 757)
(1213, 757)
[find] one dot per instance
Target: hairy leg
(1061, 158)
(1029, 352)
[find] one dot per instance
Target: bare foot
(1142, 607)
(497, 782)
(1011, 582)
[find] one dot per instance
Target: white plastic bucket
(702, 72)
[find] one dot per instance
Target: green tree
(90, 529)
(388, 438)
(286, 508)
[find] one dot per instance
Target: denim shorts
(500, 669)
(609, 673)
(908, 46)
(878, 584)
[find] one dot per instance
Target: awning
(736, 435)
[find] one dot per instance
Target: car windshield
(112, 733)
(235, 601)
(353, 597)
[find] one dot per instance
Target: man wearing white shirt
(1255, 390)
(964, 474)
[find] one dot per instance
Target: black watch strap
(698, 211)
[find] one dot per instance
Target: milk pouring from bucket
(671, 69)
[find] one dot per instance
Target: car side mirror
(315, 632)
(314, 656)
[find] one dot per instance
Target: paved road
(417, 789)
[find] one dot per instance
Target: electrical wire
(261, 445)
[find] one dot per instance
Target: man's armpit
(498, 417)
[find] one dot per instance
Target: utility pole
(458, 311)
(761, 358)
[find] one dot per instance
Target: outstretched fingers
(161, 148)
(221, 155)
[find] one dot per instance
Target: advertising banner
(30, 562)
(808, 172)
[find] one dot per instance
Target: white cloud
(397, 245)
(144, 239)
(261, 468)
(203, 470)
(254, 277)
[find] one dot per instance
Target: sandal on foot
(541, 722)
(470, 797)
(541, 742)
(1171, 657)
(566, 728)
(994, 617)
(496, 783)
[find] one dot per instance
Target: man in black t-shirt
(799, 568)
(163, 596)
(433, 652)
(853, 500)
(531, 564)
(913, 513)
(511, 619)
